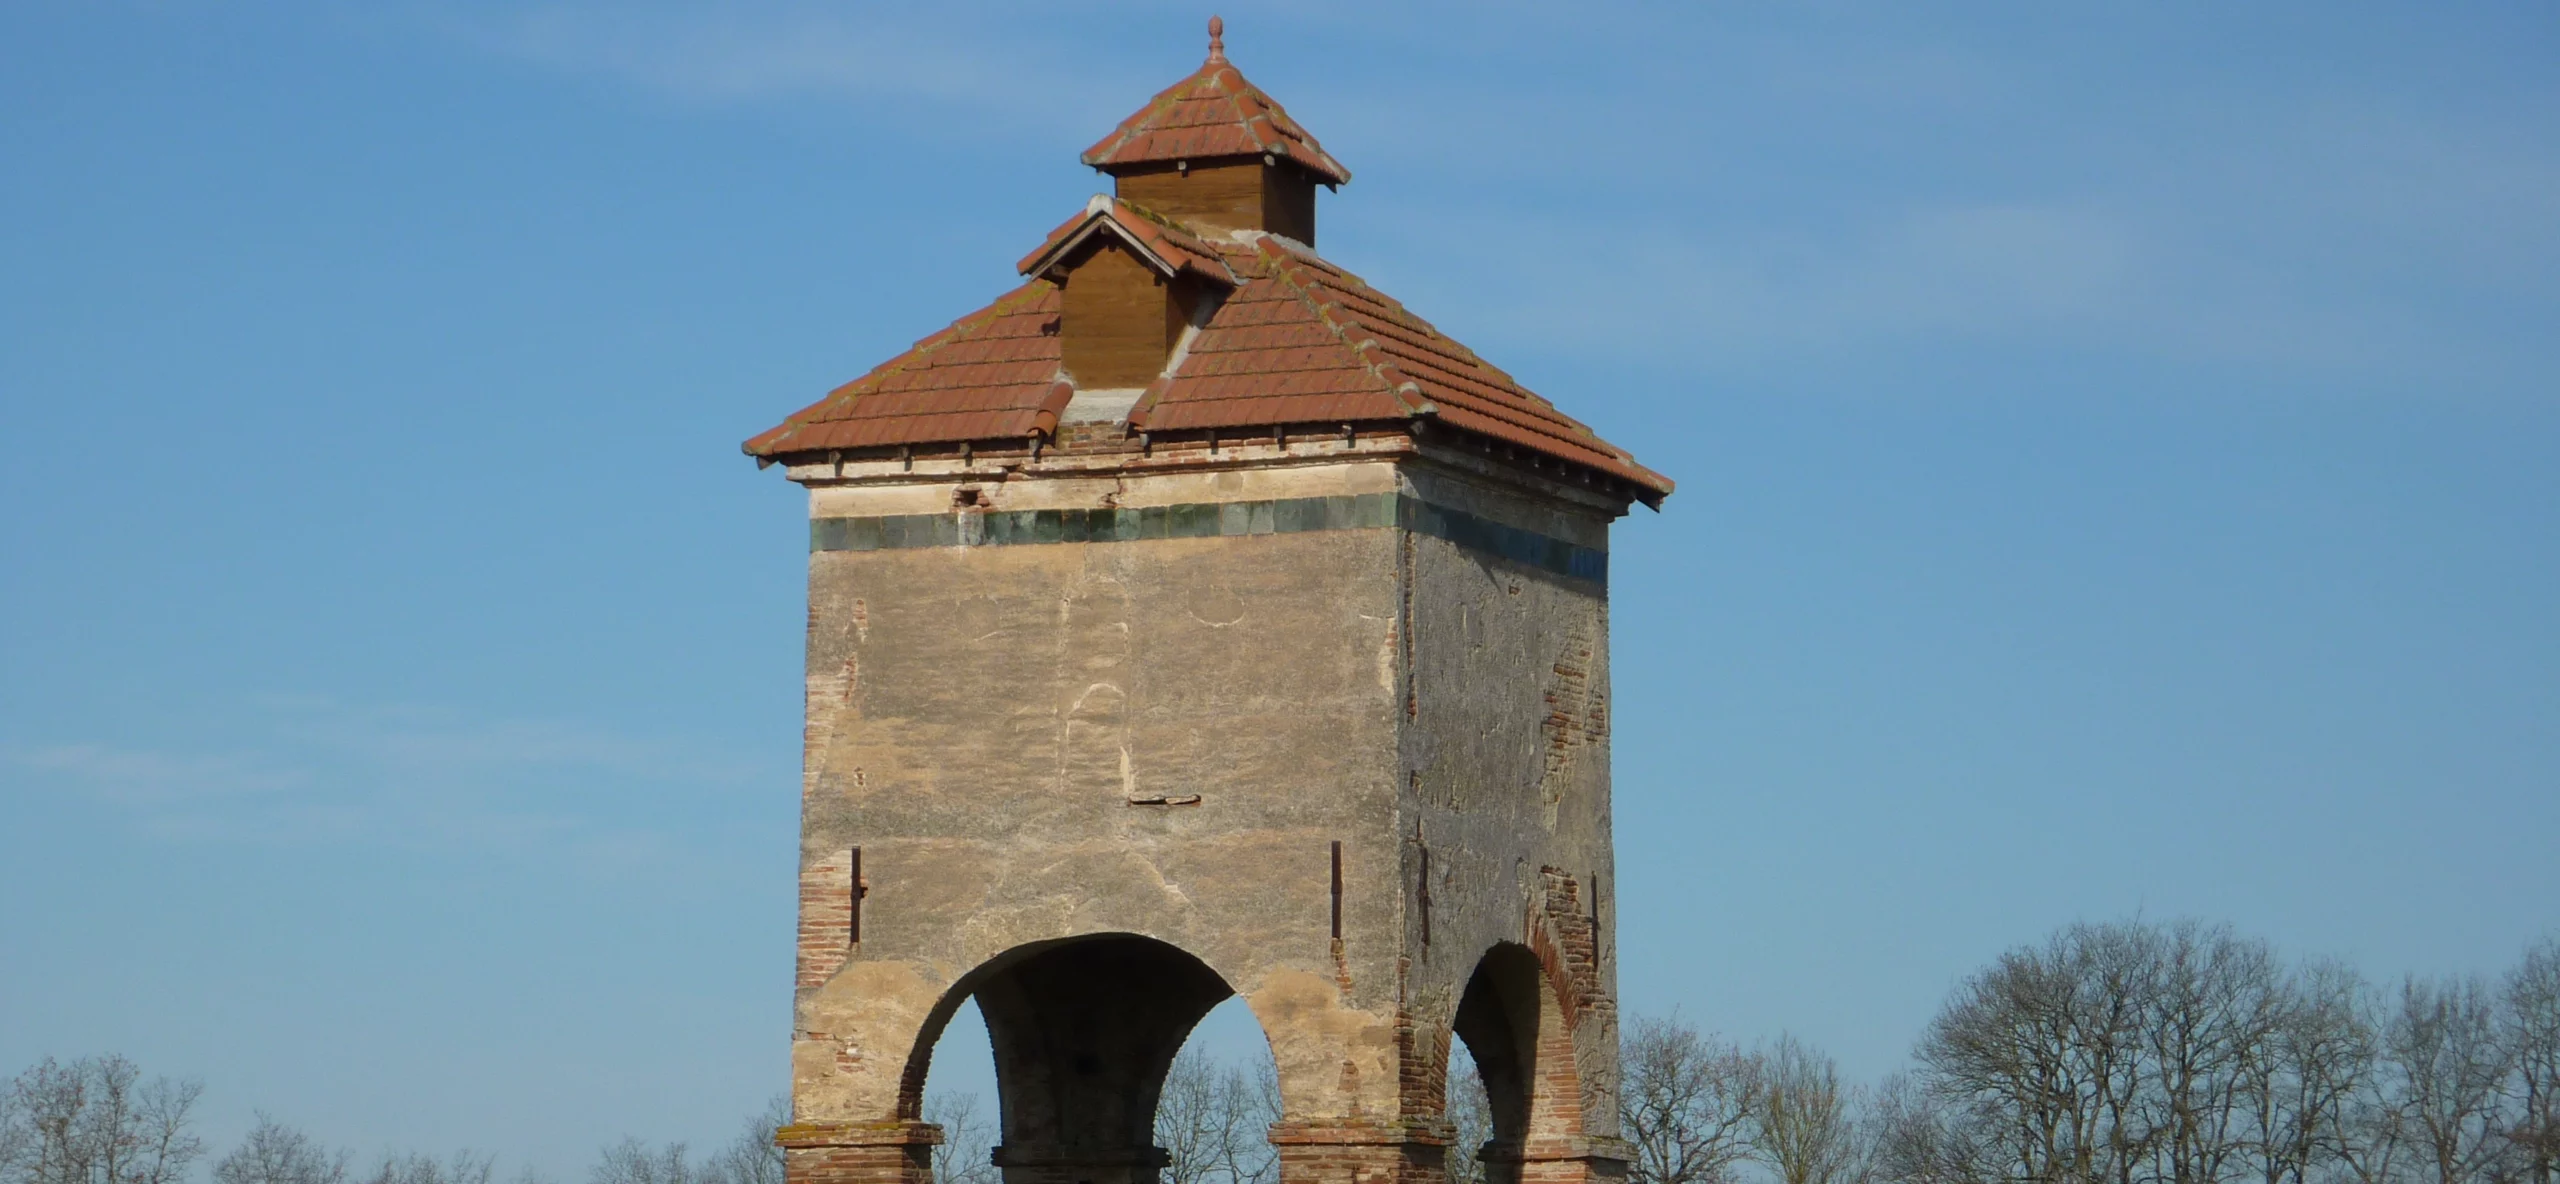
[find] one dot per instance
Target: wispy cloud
(152, 780)
(310, 770)
(2124, 281)
(876, 55)
(2325, 240)
(1774, 187)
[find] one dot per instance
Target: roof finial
(1217, 39)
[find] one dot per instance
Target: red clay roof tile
(1214, 112)
(1307, 342)
(991, 375)
(1300, 341)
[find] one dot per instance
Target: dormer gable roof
(1160, 242)
(1213, 113)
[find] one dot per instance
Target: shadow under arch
(1083, 1030)
(1514, 1026)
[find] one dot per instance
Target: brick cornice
(1432, 1132)
(893, 1133)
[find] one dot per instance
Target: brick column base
(1577, 1159)
(1331, 1153)
(1033, 1163)
(858, 1153)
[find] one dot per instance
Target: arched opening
(1470, 1116)
(960, 1097)
(1082, 1031)
(1514, 1030)
(1214, 1115)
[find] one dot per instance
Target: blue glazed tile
(1292, 515)
(1483, 536)
(1338, 512)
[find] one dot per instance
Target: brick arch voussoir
(1559, 930)
(919, 1058)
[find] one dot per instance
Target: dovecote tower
(1196, 621)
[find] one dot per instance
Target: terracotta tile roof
(1164, 244)
(1307, 342)
(1212, 113)
(1299, 342)
(992, 375)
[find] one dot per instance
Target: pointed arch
(1519, 1032)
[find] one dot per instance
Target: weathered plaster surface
(1165, 737)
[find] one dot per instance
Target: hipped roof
(1213, 113)
(1298, 341)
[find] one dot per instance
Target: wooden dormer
(1130, 283)
(1120, 318)
(1215, 152)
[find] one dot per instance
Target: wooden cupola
(1215, 152)
(1193, 307)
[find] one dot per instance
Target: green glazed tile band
(999, 528)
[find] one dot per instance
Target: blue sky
(2115, 447)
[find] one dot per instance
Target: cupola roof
(1213, 113)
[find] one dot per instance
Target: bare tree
(17, 1133)
(1254, 1100)
(96, 1121)
(2297, 1093)
(1807, 1127)
(2137, 1053)
(1214, 1122)
(634, 1162)
(2532, 998)
(278, 1154)
(2214, 1002)
(2442, 1050)
(1470, 1113)
(2035, 1066)
(752, 1157)
(1921, 1139)
(1686, 1103)
(417, 1167)
(967, 1153)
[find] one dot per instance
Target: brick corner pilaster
(1572, 1159)
(1409, 1152)
(890, 1152)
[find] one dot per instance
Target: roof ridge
(1391, 378)
(1453, 346)
(1541, 415)
(1170, 224)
